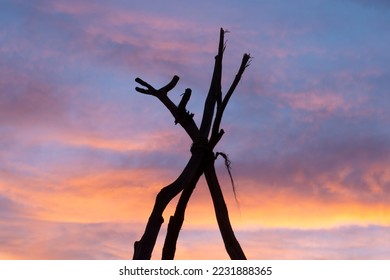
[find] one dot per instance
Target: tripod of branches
(204, 139)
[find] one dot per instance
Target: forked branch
(184, 119)
(152, 91)
(216, 133)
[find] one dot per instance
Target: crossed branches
(201, 162)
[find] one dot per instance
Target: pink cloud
(147, 26)
(340, 243)
(316, 101)
(27, 102)
(34, 239)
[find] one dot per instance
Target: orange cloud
(285, 208)
(289, 209)
(111, 196)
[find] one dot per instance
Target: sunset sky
(82, 155)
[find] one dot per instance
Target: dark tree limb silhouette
(201, 162)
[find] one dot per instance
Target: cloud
(315, 102)
(343, 243)
(340, 243)
(69, 191)
(31, 240)
(9, 209)
(26, 98)
(54, 240)
(345, 159)
(81, 152)
(120, 37)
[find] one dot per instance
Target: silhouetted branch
(220, 109)
(144, 247)
(182, 111)
(170, 85)
(214, 91)
(152, 91)
(184, 100)
(149, 89)
(176, 221)
(231, 244)
(244, 64)
(184, 119)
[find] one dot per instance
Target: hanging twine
(228, 167)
